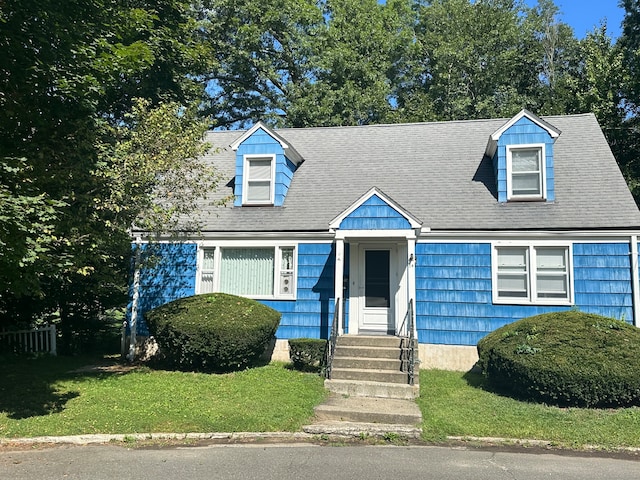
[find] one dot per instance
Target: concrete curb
(524, 442)
(286, 437)
(117, 437)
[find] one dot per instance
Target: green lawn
(456, 404)
(45, 397)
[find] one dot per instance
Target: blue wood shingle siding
(261, 143)
(168, 272)
(523, 132)
(453, 290)
(311, 314)
(375, 214)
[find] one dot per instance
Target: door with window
(377, 290)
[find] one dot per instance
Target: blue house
(471, 224)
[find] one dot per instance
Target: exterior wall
(168, 272)
(603, 279)
(262, 143)
(453, 290)
(524, 131)
(310, 315)
(375, 214)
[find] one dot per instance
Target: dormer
(522, 155)
(265, 164)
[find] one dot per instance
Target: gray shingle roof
(435, 171)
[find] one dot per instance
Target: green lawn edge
(56, 396)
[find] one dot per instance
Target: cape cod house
(469, 224)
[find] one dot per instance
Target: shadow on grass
(477, 380)
(28, 385)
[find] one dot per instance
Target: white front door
(377, 289)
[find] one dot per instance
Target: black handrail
(408, 344)
(330, 348)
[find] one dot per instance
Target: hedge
(565, 358)
(213, 332)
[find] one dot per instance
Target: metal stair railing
(330, 348)
(407, 343)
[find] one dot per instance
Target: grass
(48, 396)
(45, 396)
(458, 404)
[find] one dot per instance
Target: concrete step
(384, 376)
(367, 352)
(369, 340)
(367, 363)
(368, 410)
(360, 388)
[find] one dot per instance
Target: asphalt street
(304, 461)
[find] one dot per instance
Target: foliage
(68, 117)
(65, 396)
(213, 332)
(306, 353)
(565, 358)
(155, 175)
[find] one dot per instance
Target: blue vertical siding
(453, 290)
(522, 132)
(310, 315)
(375, 214)
(168, 272)
(262, 143)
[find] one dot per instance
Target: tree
(262, 51)
(472, 63)
(68, 85)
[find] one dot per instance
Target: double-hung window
(256, 272)
(258, 186)
(525, 172)
(538, 274)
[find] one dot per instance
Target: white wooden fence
(37, 340)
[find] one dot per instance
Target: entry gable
(375, 211)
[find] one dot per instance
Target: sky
(583, 15)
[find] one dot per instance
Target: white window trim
(245, 178)
(543, 173)
(217, 262)
(532, 298)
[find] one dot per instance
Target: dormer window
(525, 172)
(522, 155)
(258, 179)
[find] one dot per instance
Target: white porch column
(635, 281)
(339, 283)
(411, 278)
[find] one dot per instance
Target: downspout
(635, 281)
(134, 302)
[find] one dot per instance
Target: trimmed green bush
(306, 353)
(565, 358)
(213, 332)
